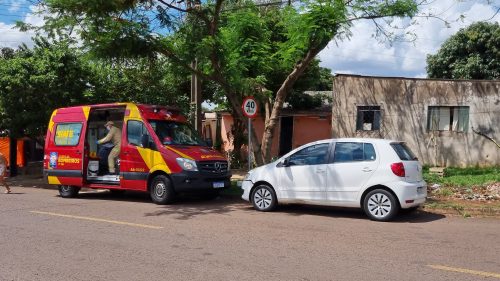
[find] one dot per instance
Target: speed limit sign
(249, 107)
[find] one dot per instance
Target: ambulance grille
(213, 167)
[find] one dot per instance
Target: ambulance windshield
(175, 133)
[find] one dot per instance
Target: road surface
(100, 236)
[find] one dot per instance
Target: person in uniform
(114, 136)
(3, 172)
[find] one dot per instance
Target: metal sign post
(250, 108)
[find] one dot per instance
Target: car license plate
(218, 184)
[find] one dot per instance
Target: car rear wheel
(68, 191)
(264, 198)
(161, 190)
(380, 205)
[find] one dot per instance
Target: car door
(67, 157)
(133, 169)
(304, 175)
(351, 165)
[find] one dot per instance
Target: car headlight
(248, 176)
(187, 164)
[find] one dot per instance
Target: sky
(360, 54)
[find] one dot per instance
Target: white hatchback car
(380, 176)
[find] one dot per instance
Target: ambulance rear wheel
(161, 190)
(68, 191)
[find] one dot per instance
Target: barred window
(368, 118)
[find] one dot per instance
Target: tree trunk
(267, 138)
(13, 156)
(237, 132)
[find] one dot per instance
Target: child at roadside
(3, 172)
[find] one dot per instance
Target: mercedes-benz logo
(217, 166)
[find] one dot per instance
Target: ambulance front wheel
(68, 191)
(161, 190)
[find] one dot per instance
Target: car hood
(197, 153)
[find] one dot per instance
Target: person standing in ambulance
(115, 137)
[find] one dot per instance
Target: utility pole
(196, 98)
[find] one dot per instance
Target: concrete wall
(404, 108)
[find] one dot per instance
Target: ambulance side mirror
(145, 141)
(209, 142)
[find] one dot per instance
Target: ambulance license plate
(218, 184)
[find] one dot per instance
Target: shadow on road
(418, 216)
(185, 207)
(190, 207)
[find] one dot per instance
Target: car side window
(135, 130)
(353, 152)
(369, 152)
(312, 155)
(68, 134)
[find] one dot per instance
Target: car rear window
(403, 151)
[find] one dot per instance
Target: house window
(448, 118)
(368, 118)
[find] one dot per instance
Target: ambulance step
(106, 179)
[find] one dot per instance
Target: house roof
(411, 78)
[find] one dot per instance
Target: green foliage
(465, 177)
(472, 53)
(34, 82)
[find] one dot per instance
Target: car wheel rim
(65, 188)
(379, 205)
(263, 198)
(160, 189)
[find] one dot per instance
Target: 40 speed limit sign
(249, 107)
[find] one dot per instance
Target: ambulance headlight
(187, 164)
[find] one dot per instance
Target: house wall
(306, 129)
(404, 110)
(310, 128)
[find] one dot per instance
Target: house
(295, 127)
(445, 122)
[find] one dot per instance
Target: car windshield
(175, 133)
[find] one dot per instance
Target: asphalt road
(104, 237)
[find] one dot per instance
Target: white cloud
(15, 6)
(12, 37)
(363, 54)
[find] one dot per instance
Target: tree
(472, 53)
(35, 82)
(237, 48)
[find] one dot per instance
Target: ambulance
(160, 153)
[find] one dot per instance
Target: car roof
(370, 140)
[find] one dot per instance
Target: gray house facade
(445, 122)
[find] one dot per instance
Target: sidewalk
(37, 181)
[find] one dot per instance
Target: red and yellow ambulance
(160, 152)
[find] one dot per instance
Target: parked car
(380, 176)
(159, 152)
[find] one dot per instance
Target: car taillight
(398, 169)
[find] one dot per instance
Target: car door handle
(320, 171)
(366, 169)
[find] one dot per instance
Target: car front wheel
(68, 191)
(161, 190)
(264, 198)
(380, 205)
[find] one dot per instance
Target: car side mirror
(209, 142)
(286, 162)
(145, 141)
